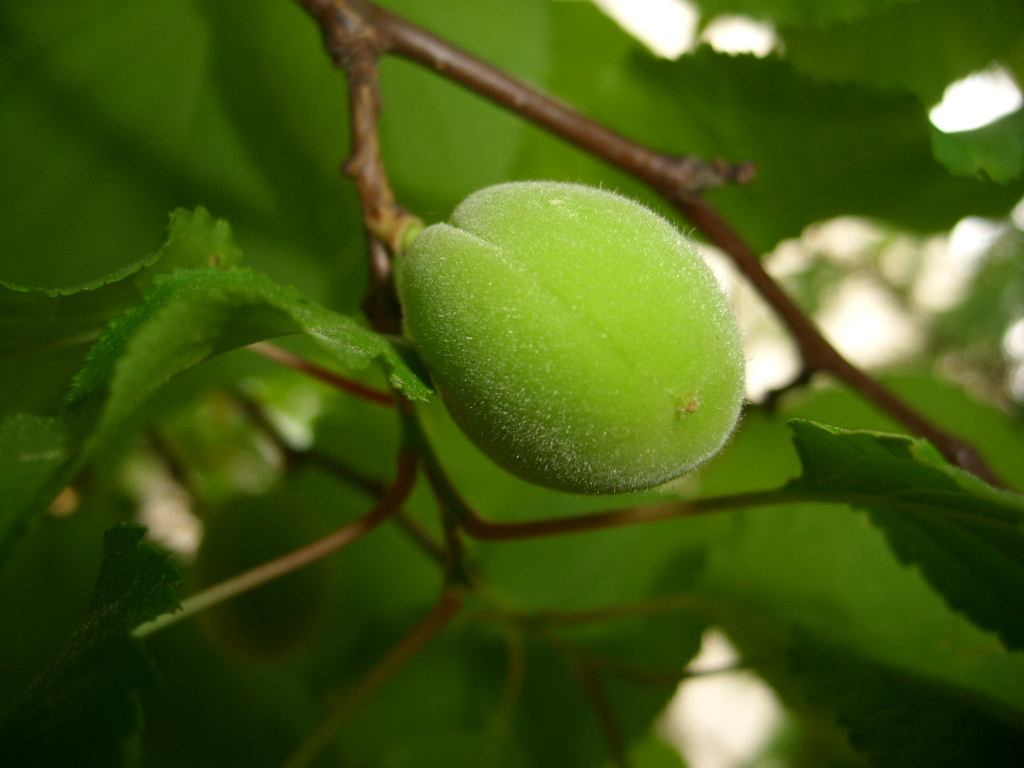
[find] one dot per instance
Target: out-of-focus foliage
(873, 586)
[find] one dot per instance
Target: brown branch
(660, 170)
(355, 45)
(677, 178)
(485, 530)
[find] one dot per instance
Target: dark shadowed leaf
(32, 450)
(84, 709)
(900, 720)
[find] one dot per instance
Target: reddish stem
(286, 358)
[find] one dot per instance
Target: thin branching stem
(388, 505)
(286, 358)
(371, 486)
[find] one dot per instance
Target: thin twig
(437, 619)
(485, 530)
(355, 45)
(261, 574)
(591, 685)
(286, 358)
(371, 486)
(293, 457)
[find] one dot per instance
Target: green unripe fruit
(576, 336)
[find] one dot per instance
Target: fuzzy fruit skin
(576, 336)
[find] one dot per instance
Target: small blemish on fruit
(688, 405)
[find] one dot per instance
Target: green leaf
(236, 107)
(900, 720)
(805, 12)
(84, 709)
(192, 315)
(187, 317)
(44, 327)
(921, 46)
(275, 619)
(995, 151)
(34, 317)
(135, 585)
(32, 450)
(826, 572)
(967, 537)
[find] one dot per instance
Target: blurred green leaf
(900, 720)
(229, 105)
(653, 752)
(84, 709)
(995, 151)
(456, 749)
(967, 537)
(532, 695)
(799, 11)
(922, 46)
(32, 450)
(274, 620)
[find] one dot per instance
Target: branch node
(690, 175)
